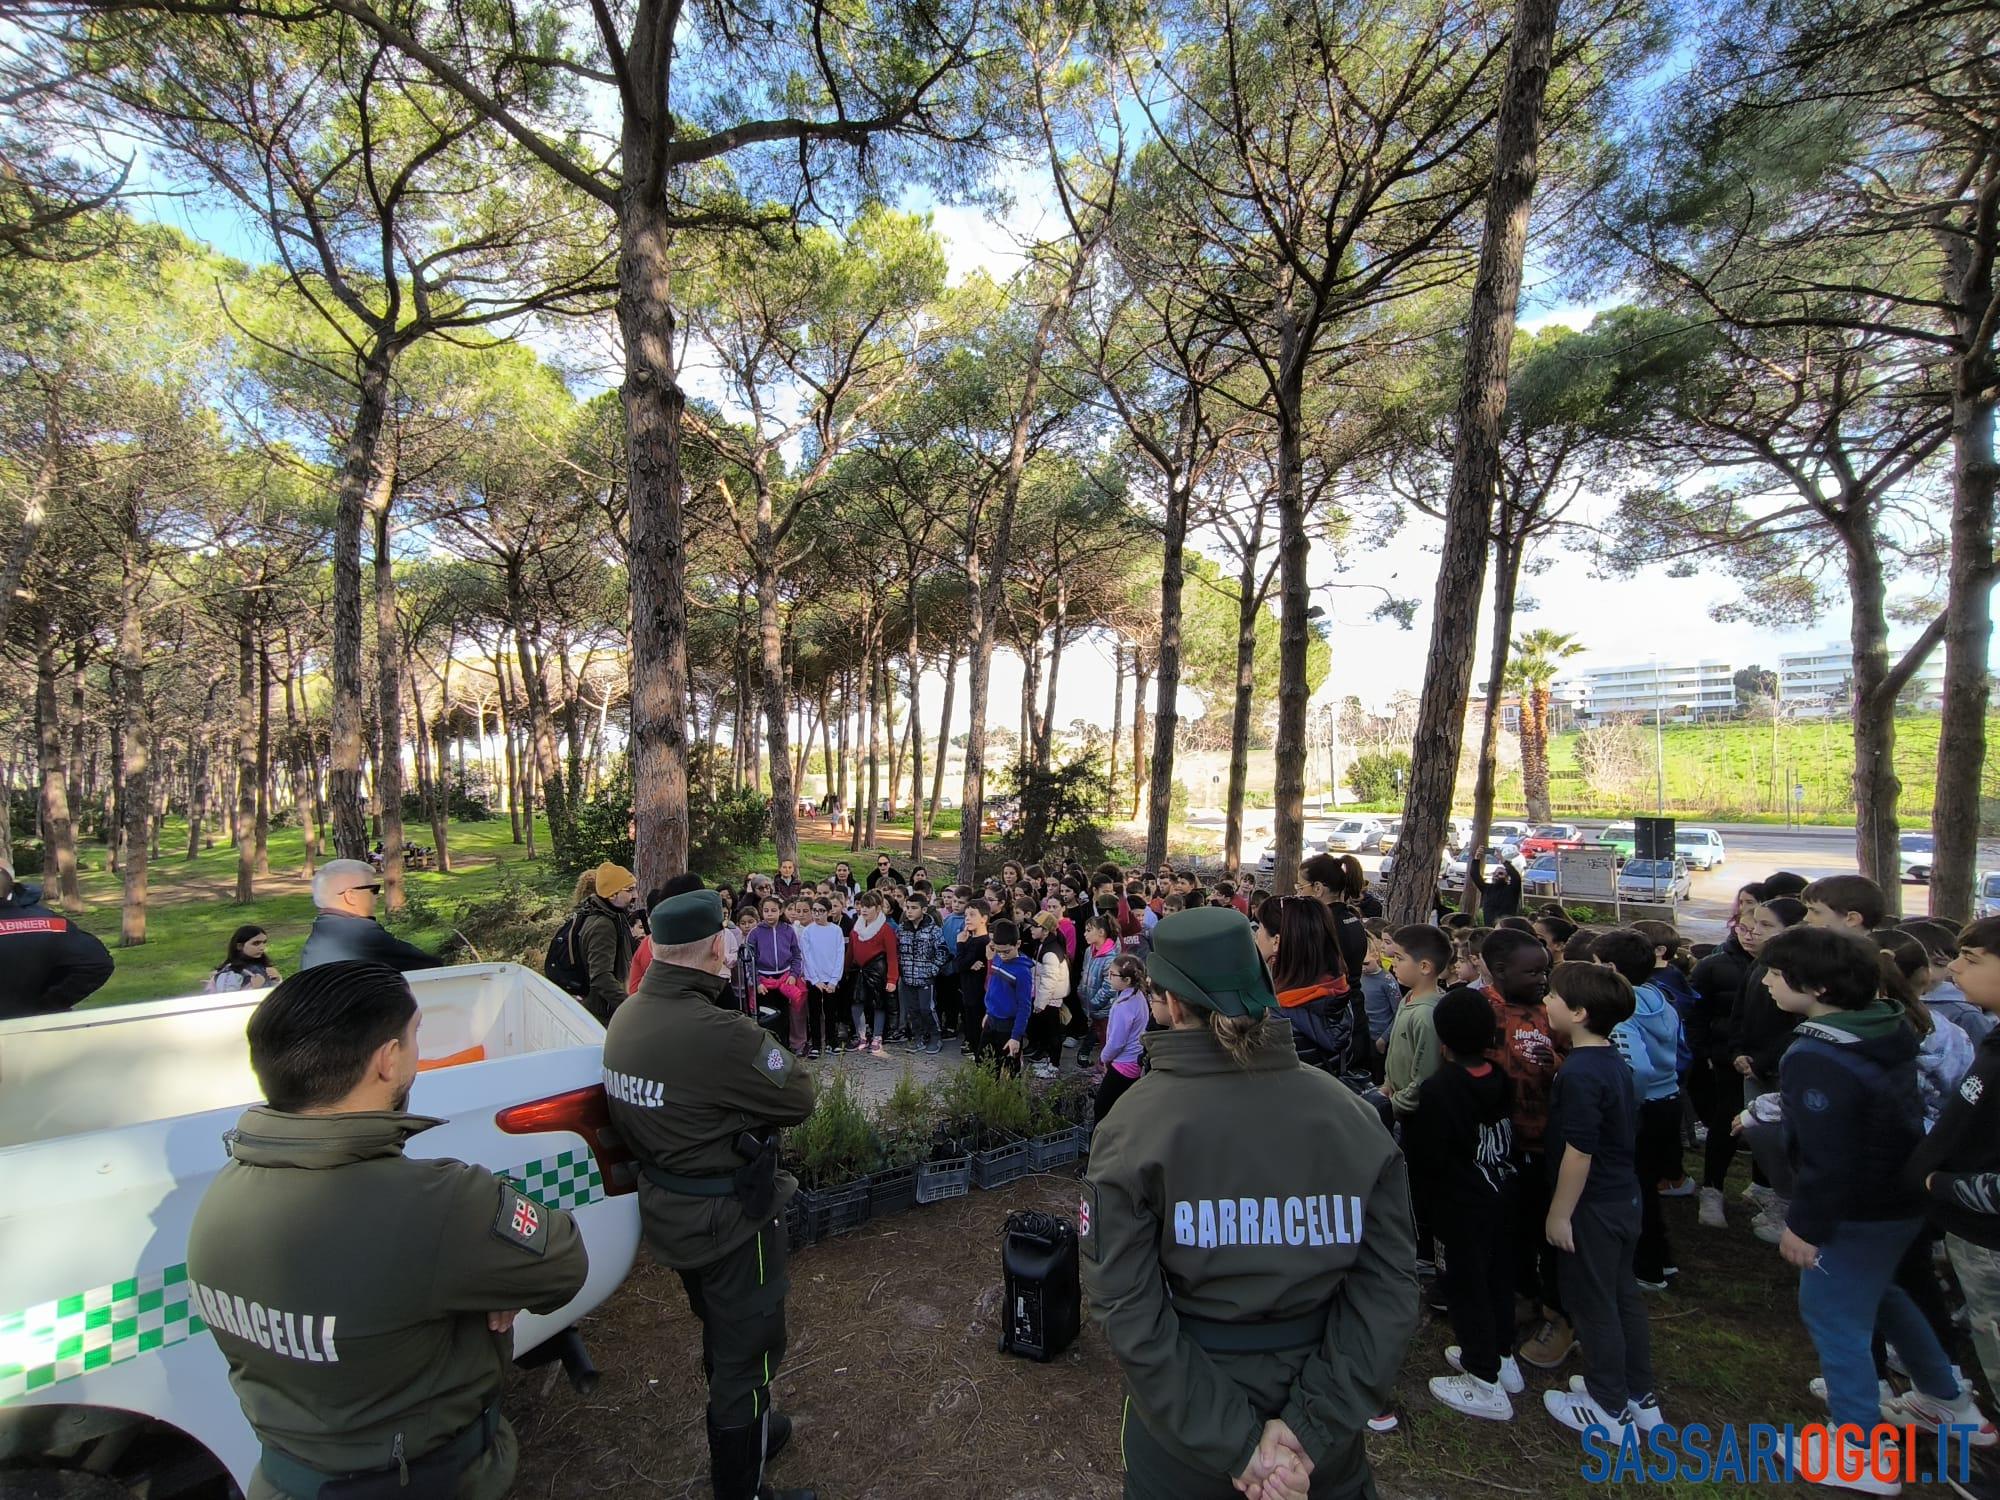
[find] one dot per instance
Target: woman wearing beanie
(602, 932)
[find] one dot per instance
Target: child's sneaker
(1383, 1421)
(1863, 1483)
(1650, 1286)
(1579, 1412)
(1928, 1411)
(1510, 1370)
(1642, 1412)
(1473, 1397)
(1551, 1344)
(1757, 1195)
(1710, 1215)
(1685, 1188)
(875, 1047)
(1770, 1224)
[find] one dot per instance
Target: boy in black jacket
(1957, 1167)
(1852, 1121)
(1459, 1142)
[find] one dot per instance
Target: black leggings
(1110, 1091)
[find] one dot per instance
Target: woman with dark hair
(246, 967)
(1295, 934)
(1336, 883)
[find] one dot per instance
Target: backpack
(564, 962)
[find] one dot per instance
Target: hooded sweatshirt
(1326, 1019)
(1010, 992)
(1852, 1119)
(1961, 1155)
(1650, 1042)
(1460, 1142)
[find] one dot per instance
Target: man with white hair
(344, 890)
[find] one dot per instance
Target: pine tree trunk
(1117, 721)
(1289, 748)
(360, 476)
(1475, 464)
(1166, 716)
(944, 737)
(1247, 605)
(58, 831)
(246, 760)
(389, 703)
(771, 673)
(263, 761)
(135, 733)
(1141, 676)
(1506, 569)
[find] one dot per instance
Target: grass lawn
(191, 910)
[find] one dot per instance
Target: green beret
(1208, 958)
(686, 918)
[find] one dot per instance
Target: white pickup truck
(111, 1126)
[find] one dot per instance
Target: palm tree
(1538, 655)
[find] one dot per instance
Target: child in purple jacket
(1123, 1031)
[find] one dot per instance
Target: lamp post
(1659, 747)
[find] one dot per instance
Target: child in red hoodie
(871, 948)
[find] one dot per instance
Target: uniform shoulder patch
(776, 1062)
(1087, 1226)
(522, 1221)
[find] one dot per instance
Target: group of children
(1545, 1079)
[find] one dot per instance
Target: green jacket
(686, 1078)
(1248, 1194)
(606, 939)
(348, 1285)
(1413, 1051)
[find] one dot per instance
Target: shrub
(1380, 777)
(836, 1144)
(722, 828)
(468, 798)
(1059, 811)
(907, 1122)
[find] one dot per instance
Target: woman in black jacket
(1329, 1020)
(1713, 1082)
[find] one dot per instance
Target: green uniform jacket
(607, 955)
(348, 1285)
(686, 1078)
(1413, 1051)
(1238, 1195)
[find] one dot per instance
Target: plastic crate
(939, 1180)
(798, 1232)
(1083, 1134)
(1052, 1150)
(1000, 1165)
(892, 1190)
(831, 1211)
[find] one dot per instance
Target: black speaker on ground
(1044, 1298)
(1652, 838)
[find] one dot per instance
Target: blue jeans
(1846, 1297)
(917, 999)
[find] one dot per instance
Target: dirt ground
(899, 1393)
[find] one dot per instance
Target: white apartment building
(1679, 691)
(1818, 680)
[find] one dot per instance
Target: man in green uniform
(364, 1299)
(1247, 1243)
(698, 1092)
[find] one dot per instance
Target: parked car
(1352, 835)
(1457, 834)
(1915, 849)
(1654, 880)
(1539, 878)
(1314, 842)
(1701, 847)
(1986, 895)
(1387, 837)
(1547, 837)
(1621, 836)
(1455, 865)
(1447, 864)
(1507, 831)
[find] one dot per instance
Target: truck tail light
(584, 1112)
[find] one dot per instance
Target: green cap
(1207, 957)
(686, 918)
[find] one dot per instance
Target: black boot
(736, 1462)
(777, 1433)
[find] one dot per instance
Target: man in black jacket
(49, 962)
(344, 890)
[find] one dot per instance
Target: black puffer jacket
(1330, 1030)
(1717, 980)
(1758, 1030)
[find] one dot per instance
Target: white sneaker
(1884, 1392)
(1757, 1195)
(1642, 1412)
(1510, 1370)
(1863, 1483)
(1043, 1070)
(1383, 1421)
(1579, 1413)
(1770, 1224)
(1473, 1397)
(1685, 1188)
(1710, 1215)
(1928, 1411)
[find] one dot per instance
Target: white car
(1662, 880)
(1314, 842)
(1915, 850)
(1352, 835)
(1387, 836)
(1702, 848)
(1986, 897)
(1506, 831)
(111, 1128)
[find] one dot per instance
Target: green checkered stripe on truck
(567, 1180)
(103, 1326)
(107, 1325)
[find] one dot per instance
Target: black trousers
(1153, 1473)
(1534, 1257)
(1718, 1095)
(1045, 1035)
(1604, 1306)
(972, 1010)
(993, 1039)
(1110, 1091)
(740, 1300)
(1478, 1278)
(1657, 1156)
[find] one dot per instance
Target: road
(1754, 850)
